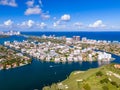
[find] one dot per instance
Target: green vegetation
(105, 88)
(87, 86)
(10, 58)
(105, 80)
(99, 73)
(111, 47)
(102, 78)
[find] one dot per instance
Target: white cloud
(62, 21)
(78, 24)
(32, 24)
(28, 23)
(62, 26)
(65, 17)
(55, 24)
(45, 16)
(33, 10)
(42, 25)
(30, 3)
(8, 22)
(8, 3)
(58, 25)
(97, 24)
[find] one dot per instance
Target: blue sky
(60, 15)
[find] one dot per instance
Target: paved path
(114, 74)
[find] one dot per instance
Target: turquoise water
(39, 74)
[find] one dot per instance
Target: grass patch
(92, 79)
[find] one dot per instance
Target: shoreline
(58, 59)
(16, 67)
(9, 58)
(77, 79)
(67, 62)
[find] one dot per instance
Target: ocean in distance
(39, 74)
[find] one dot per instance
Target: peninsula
(104, 78)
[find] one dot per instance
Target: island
(59, 49)
(4, 36)
(103, 78)
(8, 34)
(10, 58)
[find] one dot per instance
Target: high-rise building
(76, 38)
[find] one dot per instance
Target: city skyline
(59, 15)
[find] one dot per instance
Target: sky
(60, 15)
